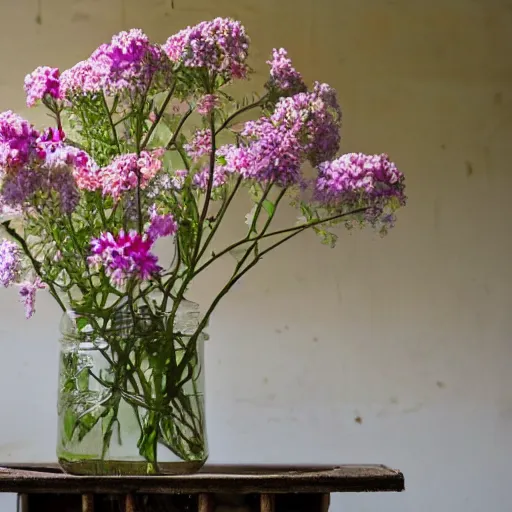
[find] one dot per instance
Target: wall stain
(358, 420)
(440, 384)
(414, 408)
(498, 98)
(315, 340)
(39, 14)
(443, 146)
(469, 168)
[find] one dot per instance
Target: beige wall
(411, 333)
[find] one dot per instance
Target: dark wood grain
(48, 478)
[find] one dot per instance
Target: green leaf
(269, 207)
(69, 424)
(81, 323)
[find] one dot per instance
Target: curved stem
(299, 228)
(171, 143)
(158, 116)
(35, 263)
(256, 104)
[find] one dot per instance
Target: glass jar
(131, 392)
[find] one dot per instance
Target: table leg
(87, 503)
(267, 503)
(205, 503)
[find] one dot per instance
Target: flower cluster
(17, 141)
(357, 180)
(284, 78)
(125, 172)
(118, 100)
(127, 255)
(128, 62)
(219, 46)
(41, 82)
(302, 127)
(314, 120)
(34, 163)
(10, 262)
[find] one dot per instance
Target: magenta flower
(17, 141)
(28, 292)
(161, 225)
(220, 46)
(41, 82)
(124, 256)
(283, 76)
(10, 262)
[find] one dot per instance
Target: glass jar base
(92, 467)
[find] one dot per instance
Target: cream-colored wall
(411, 333)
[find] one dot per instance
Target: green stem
(220, 215)
(111, 122)
(158, 116)
(35, 264)
(256, 104)
(299, 228)
(174, 137)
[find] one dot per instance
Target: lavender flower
(161, 225)
(284, 78)
(28, 292)
(356, 180)
(219, 46)
(41, 82)
(10, 262)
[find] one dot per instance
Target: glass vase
(131, 393)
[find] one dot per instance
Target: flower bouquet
(148, 142)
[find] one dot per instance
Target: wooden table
(45, 488)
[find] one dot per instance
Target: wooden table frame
(271, 486)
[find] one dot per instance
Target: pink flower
(41, 82)
(200, 145)
(125, 172)
(207, 103)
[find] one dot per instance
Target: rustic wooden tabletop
(49, 478)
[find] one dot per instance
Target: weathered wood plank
(222, 479)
